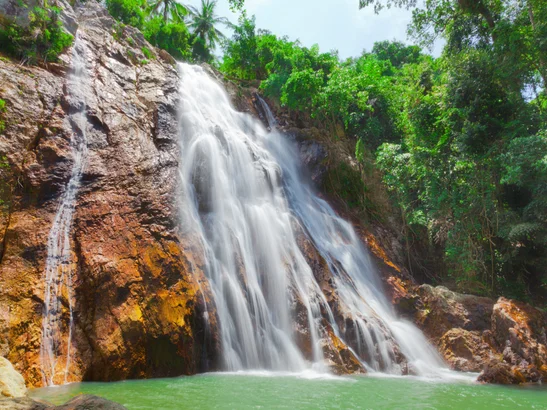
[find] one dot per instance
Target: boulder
(499, 372)
(23, 403)
(12, 383)
(464, 350)
(440, 310)
(90, 402)
(519, 330)
(523, 328)
(81, 402)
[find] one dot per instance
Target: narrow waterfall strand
(59, 262)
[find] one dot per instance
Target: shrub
(42, 40)
(127, 11)
(172, 37)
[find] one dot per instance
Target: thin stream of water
(55, 352)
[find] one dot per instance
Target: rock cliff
(138, 288)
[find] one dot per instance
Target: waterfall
(272, 122)
(243, 195)
(54, 351)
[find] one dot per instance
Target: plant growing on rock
(42, 40)
(2, 111)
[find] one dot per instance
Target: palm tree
(203, 23)
(170, 10)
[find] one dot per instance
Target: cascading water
(244, 196)
(59, 262)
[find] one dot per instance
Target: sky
(333, 24)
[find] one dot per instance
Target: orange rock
(464, 350)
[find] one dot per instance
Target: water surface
(304, 391)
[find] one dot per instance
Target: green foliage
(172, 37)
(200, 50)
(236, 5)
(168, 10)
(396, 53)
(147, 53)
(127, 11)
(166, 23)
(204, 22)
(2, 111)
(43, 39)
(242, 54)
(514, 32)
(344, 182)
(6, 178)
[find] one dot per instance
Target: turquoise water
(267, 391)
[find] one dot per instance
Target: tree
(172, 37)
(241, 53)
(128, 11)
(170, 10)
(203, 22)
(396, 52)
(515, 31)
(236, 5)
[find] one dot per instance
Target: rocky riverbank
(13, 395)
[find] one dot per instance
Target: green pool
(306, 391)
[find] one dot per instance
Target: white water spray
(245, 198)
(55, 351)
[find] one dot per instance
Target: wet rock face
(313, 155)
(139, 290)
